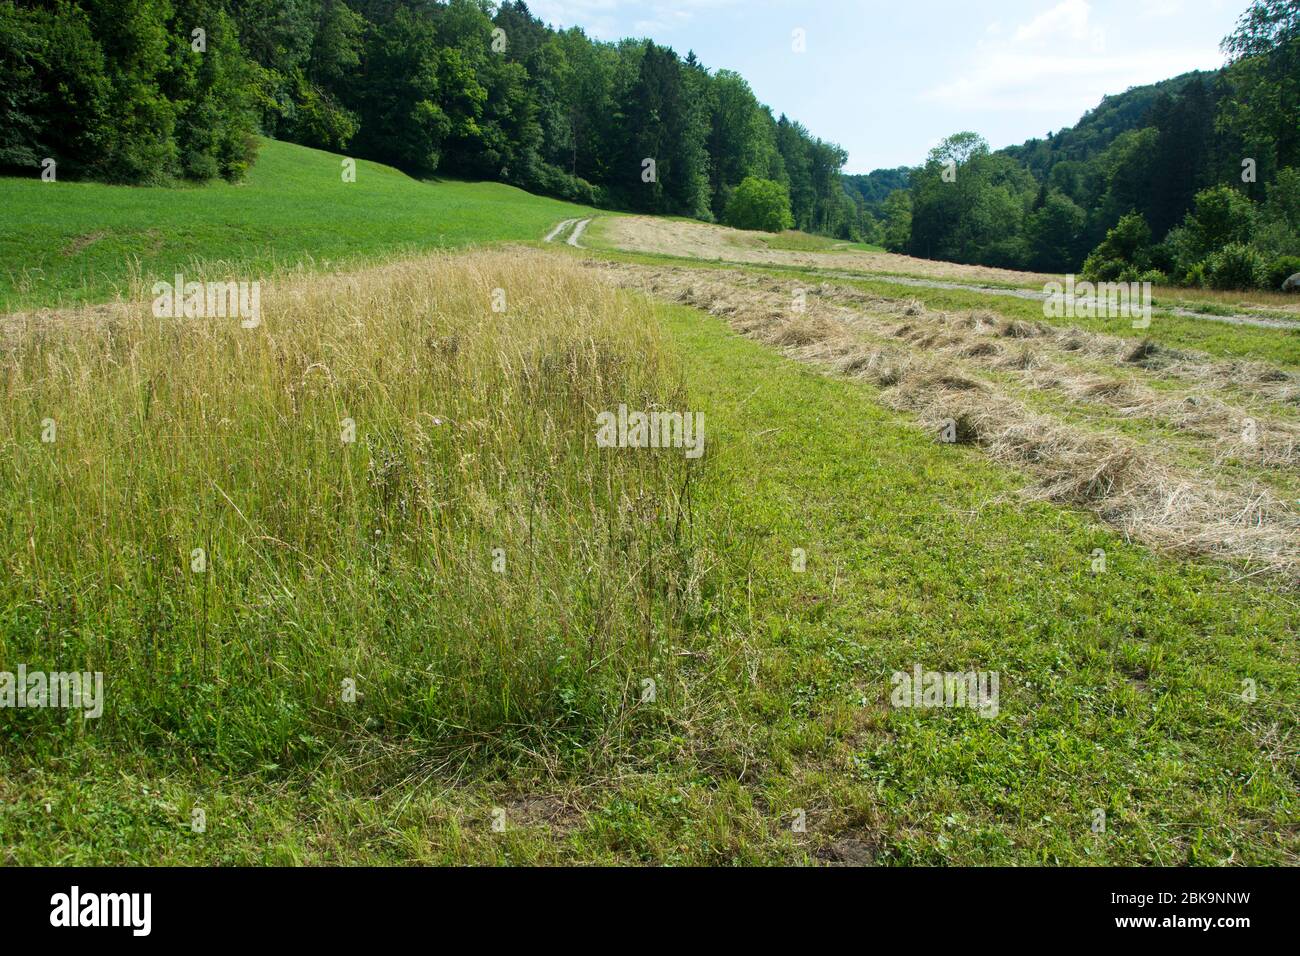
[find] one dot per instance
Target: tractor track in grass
(573, 227)
(559, 230)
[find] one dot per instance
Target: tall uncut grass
(327, 561)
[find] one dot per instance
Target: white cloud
(1068, 20)
(1061, 60)
(1159, 9)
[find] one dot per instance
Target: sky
(889, 80)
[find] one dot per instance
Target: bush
(1127, 245)
(1197, 276)
(1178, 253)
(1134, 274)
(1097, 268)
(1282, 268)
(561, 184)
(1236, 266)
(1277, 229)
(759, 204)
(1222, 216)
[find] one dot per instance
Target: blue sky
(888, 80)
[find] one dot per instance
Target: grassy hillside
(71, 242)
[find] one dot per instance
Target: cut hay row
(1132, 486)
(1231, 431)
(1258, 379)
(1217, 430)
(1252, 378)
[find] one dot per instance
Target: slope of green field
(65, 242)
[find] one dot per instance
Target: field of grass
(568, 654)
(65, 243)
(522, 692)
(803, 242)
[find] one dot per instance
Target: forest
(151, 91)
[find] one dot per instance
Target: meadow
(365, 590)
(67, 243)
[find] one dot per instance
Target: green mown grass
(1120, 691)
(69, 242)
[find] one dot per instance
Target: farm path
(574, 228)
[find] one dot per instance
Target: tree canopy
(760, 204)
(119, 90)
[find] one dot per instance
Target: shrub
(1097, 268)
(1127, 244)
(1134, 274)
(1236, 266)
(557, 182)
(1277, 230)
(1281, 269)
(1197, 276)
(1221, 216)
(1179, 252)
(759, 204)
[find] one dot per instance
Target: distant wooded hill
(1192, 180)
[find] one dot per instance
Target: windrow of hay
(1031, 352)
(388, 484)
(1229, 429)
(1127, 484)
(1259, 379)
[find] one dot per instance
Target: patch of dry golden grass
(693, 240)
(327, 557)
